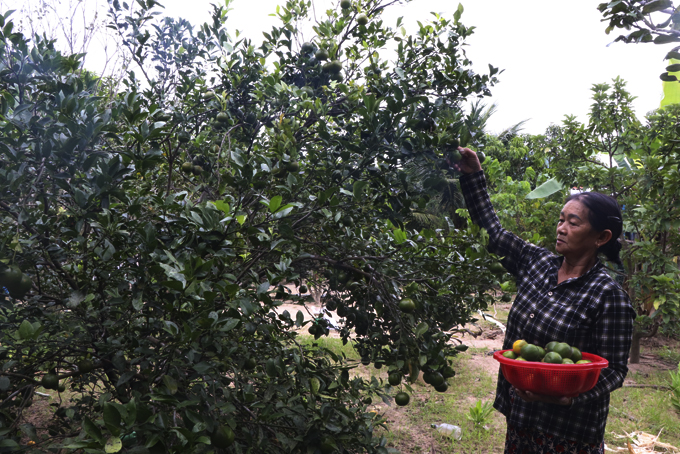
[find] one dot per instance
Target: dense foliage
(149, 236)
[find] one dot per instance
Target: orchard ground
(643, 404)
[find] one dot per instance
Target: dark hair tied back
(604, 214)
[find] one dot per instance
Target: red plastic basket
(564, 380)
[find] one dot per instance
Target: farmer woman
(569, 298)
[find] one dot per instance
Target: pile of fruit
(553, 353)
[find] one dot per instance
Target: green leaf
(26, 330)
(92, 430)
(358, 188)
(170, 383)
(111, 418)
(546, 189)
(421, 329)
(275, 203)
(222, 205)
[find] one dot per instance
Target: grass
(632, 409)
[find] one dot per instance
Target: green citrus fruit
(407, 305)
(563, 349)
(208, 95)
(307, 47)
(333, 67)
(19, 290)
(436, 379)
(50, 381)
(394, 378)
(541, 352)
(530, 352)
(506, 298)
(481, 156)
(510, 354)
(442, 388)
(362, 19)
(401, 398)
(197, 170)
(455, 156)
(550, 346)
(337, 77)
(576, 354)
(223, 437)
(497, 268)
(292, 166)
(222, 117)
(448, 372)
(321, 55)
(455, 143)
(583, 361)
(519, 358)
(303, 289)
(183, 137)
(85, 366)
(517, 346)
(552, 358)
(567, 361)
(10, 277)
(61, 388)
(187, 167)
(250, 364)
(346, 4)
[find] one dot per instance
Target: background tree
(148, 239)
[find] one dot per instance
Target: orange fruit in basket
(576, 354)
(519, 358)
(583, 361)
(510, 354)
(563, 349)
(552, 358)
(531, 352)
(567, 361)
(550, 346)
(517, 346)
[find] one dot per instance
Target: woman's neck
(575, 267)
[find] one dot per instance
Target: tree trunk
(634, 357)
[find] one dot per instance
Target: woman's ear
(603, 237)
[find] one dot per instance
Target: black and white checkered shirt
(591, 312)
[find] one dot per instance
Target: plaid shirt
(591, 312)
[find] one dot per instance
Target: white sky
(551, 52)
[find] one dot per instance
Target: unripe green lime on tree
(362, 19)
(222, 117)
(407, 305)
(346, 4)
(442, 388)
(11, 277)
(333, 67)
(303, 289)
(321, 55)
(223, 437)
(208, 95)
(187, 167)
(50, 381)
(402, 398)
(20, 289)
(394, 378)
(307, 47)
(85, 366)
(183, 137)
(197, 170)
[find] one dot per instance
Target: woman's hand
(469, 162)
(528, 396)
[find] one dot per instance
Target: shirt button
(531, 316)
(549, 293)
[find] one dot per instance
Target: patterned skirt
(524, 440)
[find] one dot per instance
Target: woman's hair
(603, 214)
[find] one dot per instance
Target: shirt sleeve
(614, 331)
(512, 248)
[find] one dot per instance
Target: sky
(550, 54)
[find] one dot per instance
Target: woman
(567, 298)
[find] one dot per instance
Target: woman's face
(575, 236)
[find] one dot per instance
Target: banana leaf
(550, 187)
